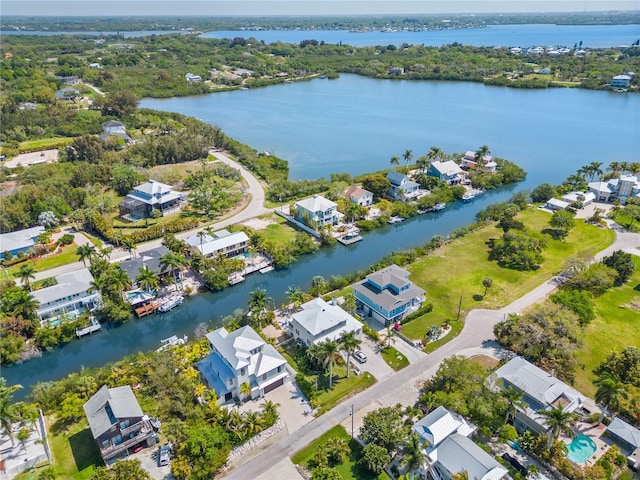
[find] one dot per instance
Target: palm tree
(106, 252)
(482, 152)
(487, 283)
(252, 422)
(319, 284)
(118, 279)
(349, 343)
(610, 392)
(26, 274)
(147, 279)
(258, 305)
(329, 350)
(245, 389)
(202, 234)
(594, 169)
(295, 295)
(514, 399)
(407, 156)
(558, 420)
(389, 336)
(85, 252)
(434, 154)
(129, 245)
(412, 452)
(614, 167)
(463, 475)
(270, 408)
(395, 161)
(173, 261)
(8, 410)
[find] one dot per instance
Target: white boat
(439, 206)
(468, 196)
(170, 303)
(395, 219)
(172, 340)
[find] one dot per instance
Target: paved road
(254, 208)
(476, 335)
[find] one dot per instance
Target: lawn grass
(75, 454)
(67, 255)
(43, 143)
(350, 468)
(394, 358)
(452, 275)
(615, 327)
(279, 233)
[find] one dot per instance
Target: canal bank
(146, 333)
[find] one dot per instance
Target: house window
(125, 423)
(243, 371)
(231, 382)
(264, 377)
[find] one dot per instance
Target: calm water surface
(355, 124)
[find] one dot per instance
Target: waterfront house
(221, 243)
(621, 188)
(438, 425)
(316, 212)
(240, 357)
(388, 295)
(117, 423)
(193, 78)
(541, 391)
(319, 321)
(457, 454)
(72, 295)
(148, 258)
(150, 196)
(448, 171)
(486, 164)
(627, 438)
(402, 188)
(587, 198)
(620, 81)
(554, 204)
(19, 241)
(359, 195)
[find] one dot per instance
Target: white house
(317, 212)
(72, 295)
(587, 198)
(541, 390)
(449, 450)
(388, 295)
(114, 126)
(554, 204)
(222, 243)
(150, 196)
(319, 321)
(359, 195)
(487, 164)
(240, 357)
(193, 78)
(621, 188)
(402, 188)
(19, 241)
(448, 171)
(620, 81)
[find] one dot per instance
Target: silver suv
(163, 457)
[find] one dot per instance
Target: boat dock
(349, 239)
(146, 309)
(94, 327)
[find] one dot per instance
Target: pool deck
(595, 433)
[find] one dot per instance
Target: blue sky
(299, 7)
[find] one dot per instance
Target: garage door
(274, 385)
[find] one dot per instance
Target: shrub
(427, 308)
(507, 432)
(66, 239)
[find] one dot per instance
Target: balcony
(131, 428)
(145, 432)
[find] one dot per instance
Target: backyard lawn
(349, 468)
(616, 326)
(453, 274)
(44, 143)
(279, 233)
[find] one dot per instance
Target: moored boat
(170, 303)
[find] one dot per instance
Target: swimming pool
(580, 449)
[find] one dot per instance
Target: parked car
(360, 356)
(164, 456)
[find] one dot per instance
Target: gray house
(117, 423)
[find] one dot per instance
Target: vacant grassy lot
(350, 468)
(44, 143)
(453, 274)
(280, 233)
(394, 358)
(616, 326)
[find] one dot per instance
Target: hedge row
(106, 230)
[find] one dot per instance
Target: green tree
(22, 436)
(258, 304)
(118, 279)
(319, 285)
(482, 152)
(384, 427)
(124, 178)
(120, 103)
(543, 193)
(375, 458)
(85, 252)
(557, 421)
(412, 453)
(245, 390)
(610, 392)
(621, 262)
(329, 350)
(562, 221)
(394, 161)
(514, 400)
(487, 283)
(173, 261)
(122, 470)
(349, 343)
(26, 274)
(376, 184)
(407, 156)
(147, 279)
(8, 410)
(623, 365)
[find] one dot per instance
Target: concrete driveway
(149, 460)
(375, 363)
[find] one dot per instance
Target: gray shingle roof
(69, 284)
(119, 401)
(626, 432)
(19, 239)
(148, 258)
(391, 275)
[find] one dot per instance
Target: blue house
(448, 171)
(149, 196)
(402, 188)
(388, 295)
(19, 241)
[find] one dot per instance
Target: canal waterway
(355, 124)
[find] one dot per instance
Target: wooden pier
(147, 309)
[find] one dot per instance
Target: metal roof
(108, 406)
